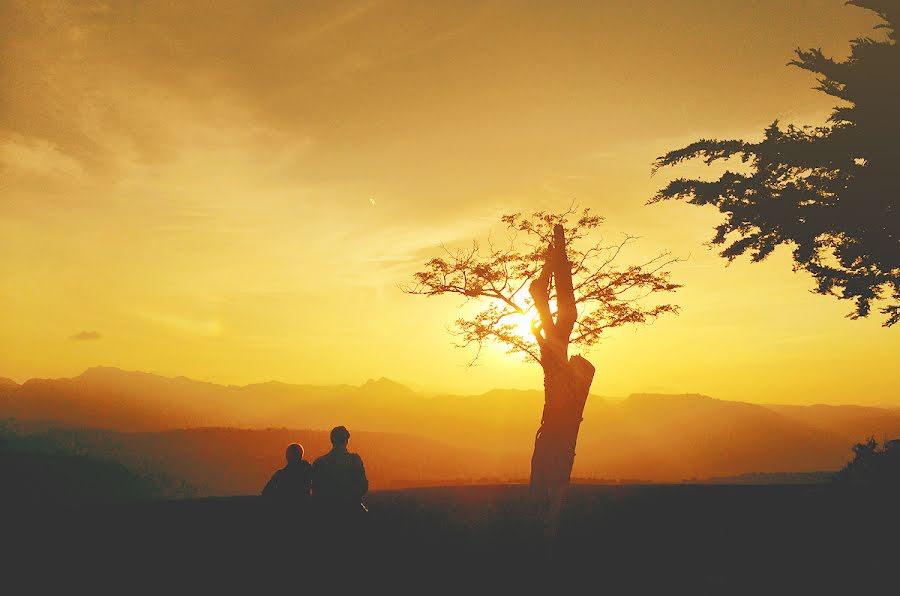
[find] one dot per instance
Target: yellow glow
(523, 326)
(239, 202)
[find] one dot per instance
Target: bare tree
(570, 290)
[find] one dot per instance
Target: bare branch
(540, 293)
(544, 254)
(565, 293)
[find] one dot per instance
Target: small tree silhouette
(571, 290)
(829, 192)
(873, 466)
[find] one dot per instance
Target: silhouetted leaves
(830, 192)
(873, 466)
(607, 294)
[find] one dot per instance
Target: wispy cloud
(86, 335)
(37, 156)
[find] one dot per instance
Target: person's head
(340, 436)
(293, 453)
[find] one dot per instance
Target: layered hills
(220, 439)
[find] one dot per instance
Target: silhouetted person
(339, 477)
(291, 484)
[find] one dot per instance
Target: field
(715, 539)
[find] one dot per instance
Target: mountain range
(408, 437)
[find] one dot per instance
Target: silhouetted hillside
(673, 437)
(851, 423)
(228, 461)
(646, 436)
(35, 469)
(57, 478)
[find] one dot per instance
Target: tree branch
(567, 312)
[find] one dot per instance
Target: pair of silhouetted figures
(335, 482)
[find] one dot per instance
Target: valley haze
(209, 439)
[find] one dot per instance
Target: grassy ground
(611, 539)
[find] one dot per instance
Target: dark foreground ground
(612, 539)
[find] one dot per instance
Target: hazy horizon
(432, 391)
(181, 199)
(645, 436)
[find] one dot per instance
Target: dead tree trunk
(566, 387)
(567, 381)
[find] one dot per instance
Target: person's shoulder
(320, 459)
(305, 464)
(355, 457)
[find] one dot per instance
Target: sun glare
(523, 326)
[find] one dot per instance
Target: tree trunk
(566, 387)
(566, 381)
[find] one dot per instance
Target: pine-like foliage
(831, 192)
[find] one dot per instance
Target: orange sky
(192, 183)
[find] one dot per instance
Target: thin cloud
(36, 156)
(86, 335)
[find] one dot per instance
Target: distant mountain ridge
(645, 436)
(6, 384)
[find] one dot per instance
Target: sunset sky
(233, 191)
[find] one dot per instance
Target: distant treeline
(36, 468)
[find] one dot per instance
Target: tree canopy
(873, 465)
(607, 294)
(829, 192)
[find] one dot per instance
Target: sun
(522, 326)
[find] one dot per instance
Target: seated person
(291, 483)
(339, 477)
